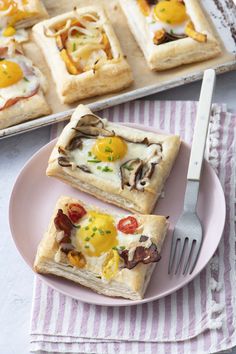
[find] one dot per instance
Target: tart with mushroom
(113, 254)
(120, 165)
(170, 32)
(83, 53)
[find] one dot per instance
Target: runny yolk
(98, 235)
(109, 149)
(172, 12)
(15, 14)
(10, 73)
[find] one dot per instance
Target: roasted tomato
(75, 212)
(128, 225)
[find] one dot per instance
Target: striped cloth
(199, 318)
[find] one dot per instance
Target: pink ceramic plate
(34, 196)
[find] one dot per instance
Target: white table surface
(16, 279)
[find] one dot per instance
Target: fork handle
(201, 125)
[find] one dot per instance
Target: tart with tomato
(113, 254)
(22, 87)
(170, 32)
(83, 53)
(118, 164)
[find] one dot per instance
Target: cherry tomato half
(75, 212)
(128, 225)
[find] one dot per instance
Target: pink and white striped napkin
(199, 318)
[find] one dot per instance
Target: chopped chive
(86, 228)
(110, 158)
(115, 248)
(77, 226)
(101, 231)
(110, 141)
(87, 238)
(93, 234)
(86, 246)
(129, 168)
(99, 167)
(90, 219)
(122, 248)
(74, 47)
(94, 161)
(89, 153)
(108, 149)
(171, 31)
(94, 228)
(107, 169)
(108, 231)
(162, 10)
(25, 78)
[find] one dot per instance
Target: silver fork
(187, 236)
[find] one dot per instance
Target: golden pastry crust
(37, 12)
(110, 190)
(127, 283)
(25, 109)
(114, 75)
(172, 54)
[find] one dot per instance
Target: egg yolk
(15, 14)
(10, 73)
(171, 12)
(9, 31)
(98, 235)
(109, 149)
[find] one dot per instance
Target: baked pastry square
(115, 163)
(113, 254)
(170, 32)
(83, 53)
(22, 88)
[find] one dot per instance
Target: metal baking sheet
(222, 15)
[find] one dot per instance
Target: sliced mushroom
(141, 255)
(129, 172)
(90, 119)
(94, 131)
(173, 36)
(75, 143)
(84, 168)
(64, 161)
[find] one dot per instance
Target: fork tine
(172, 253)
(194, 256)
(181, 247)
(188, 257)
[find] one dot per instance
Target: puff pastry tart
(113, 254)
(83, 54)
(21, 88)
(15, 15)
(170, 32)
(118, 164)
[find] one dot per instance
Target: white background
(16, 279)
